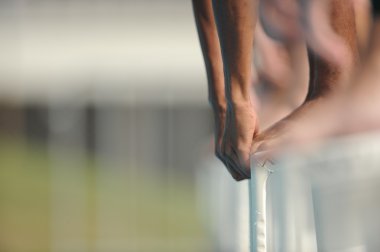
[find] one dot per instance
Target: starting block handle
(259, 176)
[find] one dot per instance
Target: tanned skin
(235, 115)
(326, 78)
(209, 40)
(353, 111)
(226, 29)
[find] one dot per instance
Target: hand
(274, 138)
(240, 129)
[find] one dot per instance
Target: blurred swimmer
(353, 110)
(327, 76)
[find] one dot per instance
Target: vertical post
(68, 177)
(115, 175)
(259, 176)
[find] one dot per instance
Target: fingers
(232, 167)
(236, 173)
(237, 162)
(240, 128)
(232, 161)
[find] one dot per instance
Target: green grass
(93, 207)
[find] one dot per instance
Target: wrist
(238, 97)
(218, 105)
(240, 105)
(239, 92)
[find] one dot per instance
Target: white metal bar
(324, 200)
(259, 176)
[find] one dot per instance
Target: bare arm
(227, 41)
(236, 24)
(236, 20)
(209, 39)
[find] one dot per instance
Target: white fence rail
(324, 201)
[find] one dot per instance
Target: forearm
(236, 21)
(209, 40)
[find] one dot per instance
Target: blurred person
(360, 100)
(363, 96)
(353, 111)
(327, 78)
(290, 20)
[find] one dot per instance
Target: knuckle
(219, 155)
(237, 177)
(224, 150)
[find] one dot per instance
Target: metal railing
(326, 200)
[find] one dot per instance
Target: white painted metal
(325, 200)
(259, 177)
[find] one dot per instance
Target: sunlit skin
(318, 118)
(326, 78)
(227, 49)
(227, 54)
(280, 69)
(354, 110)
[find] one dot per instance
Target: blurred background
(103, 122)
